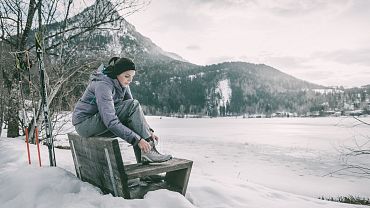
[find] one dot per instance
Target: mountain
(167, 84)
(231, 87)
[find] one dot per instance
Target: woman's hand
(154, 137)
(144, 145)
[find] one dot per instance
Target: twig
(361, 121)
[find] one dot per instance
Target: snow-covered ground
(278, 162)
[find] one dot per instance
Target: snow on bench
(98, 161)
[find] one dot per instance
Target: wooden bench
(98, 161)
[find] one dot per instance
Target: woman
(107, 109)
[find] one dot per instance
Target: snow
(237, 163)
(224, 89)
(328, 91)
(192, 76)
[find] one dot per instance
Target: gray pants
(129, 112)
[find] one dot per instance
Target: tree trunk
(31, 126)
(13, 112)
(1, 116)
(2, 86)
(13, 104)
(2, 103)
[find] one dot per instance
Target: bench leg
(179, 178)
(137, 152)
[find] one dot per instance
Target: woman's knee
(127, 106)
(129, 102)
(135, 103)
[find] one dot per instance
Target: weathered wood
(138, 192)
(179, 178)
(98, 161)
(93, 166)
(139, 170)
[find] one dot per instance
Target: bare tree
(357, 156)
(17, 28)
(5, 85)
(2, 105)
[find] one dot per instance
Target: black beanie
(117, 66)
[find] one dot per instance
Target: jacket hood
(99, 76)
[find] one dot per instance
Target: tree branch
(27, 29)
(361, 121)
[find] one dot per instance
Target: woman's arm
(105, 103)
(127, 96)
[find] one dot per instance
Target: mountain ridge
(166, 83)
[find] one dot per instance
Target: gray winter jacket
(101, 96)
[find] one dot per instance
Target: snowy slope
(23, 185)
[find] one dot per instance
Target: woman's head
(122, 69)
(126, 77)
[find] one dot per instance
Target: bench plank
(139, 170)
(93, 166)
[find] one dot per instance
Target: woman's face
(125, 78)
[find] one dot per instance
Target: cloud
(289, 61)
(329, 74)
(220, 59)
(359, 56)
(358, 9)
(317, 40)
(316, 74)
(348, 77)
(177, 16)
(222, 3)
(193, 47)
(279, 8)
(296, 7)
(346, 57)
(185, 22)
(343, 67)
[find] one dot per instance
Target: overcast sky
(323, 41)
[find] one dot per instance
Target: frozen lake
(296, 155)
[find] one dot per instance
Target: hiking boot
(153, 156)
